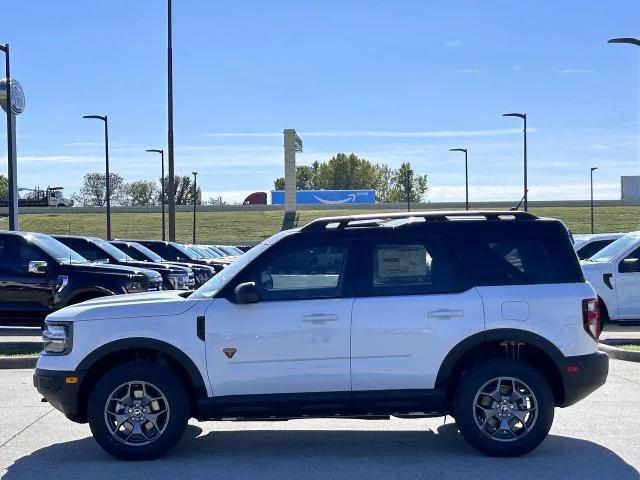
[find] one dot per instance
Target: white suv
(484, 316)
(614, 273)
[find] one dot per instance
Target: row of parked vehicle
(41, 273)
(611, 264)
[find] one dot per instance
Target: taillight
(591, 317)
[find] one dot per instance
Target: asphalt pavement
(595, 439)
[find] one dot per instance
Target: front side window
(311, 271)
(630, 263)
(420, 266)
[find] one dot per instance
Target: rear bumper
(60, 394)
(583, 374)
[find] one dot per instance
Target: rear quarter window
(520, 261)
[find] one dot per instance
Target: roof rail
(373, 219)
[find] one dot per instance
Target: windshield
(56, 249)
(227, 250)
(611, 250)
(115, 252)
(214, 285)
(186, 252)
(149, 254)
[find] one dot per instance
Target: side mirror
(246, 293)
(629, 265)
(38, 267)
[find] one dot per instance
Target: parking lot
(599, 437)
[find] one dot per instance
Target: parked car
(99, 250)
(141, 253)
(414, 315)
(230, 250)
(176, 252)
(39, 275)
(614, 273)
(588, 245)
(209, 251)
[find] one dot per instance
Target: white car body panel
(145, 315)
(553, 311)
(623, 300)
(284, 346)
(399, 342)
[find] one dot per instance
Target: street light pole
(161, 152)
(195, 202)
(172, 186)
(466, 175)
(106, 161)
(592, 170)
(11, 145)
(523, 116)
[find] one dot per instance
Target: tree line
(350, 172)
(93, 192)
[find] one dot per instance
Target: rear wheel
(138, 411)
(503, 407)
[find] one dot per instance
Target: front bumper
(54, 387)
(583, 374)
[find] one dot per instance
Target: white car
(484, 316)
(614, 273)
(589, 244)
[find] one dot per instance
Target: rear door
(414, 304)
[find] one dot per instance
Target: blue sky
(391, 81)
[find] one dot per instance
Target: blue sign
(326, 197)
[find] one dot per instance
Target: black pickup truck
(174, 277)
(38, 275)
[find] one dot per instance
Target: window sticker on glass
(401, 264)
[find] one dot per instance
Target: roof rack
(378, 219)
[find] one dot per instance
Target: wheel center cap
(137, 412)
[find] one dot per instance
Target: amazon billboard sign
(326, 197)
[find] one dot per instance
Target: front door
(414, 305)
(25, 297)
(627, 285)
(289, 351)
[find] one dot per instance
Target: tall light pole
(12, 101)
(466, 175)
(592, 170)
(195, 202)
(172, 186)
(106, 169)
(627, 40)
(523, 116)
(161, 152)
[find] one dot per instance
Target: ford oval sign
(17, 96)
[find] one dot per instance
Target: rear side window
(409, 267)
(590, 249)
(520, 261)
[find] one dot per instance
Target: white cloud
(578, 70)
(453, 43)
(469, 70)
(384, 133)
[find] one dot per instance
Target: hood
(111, 268)
(162, 267)
(136, 305)
(592, 270)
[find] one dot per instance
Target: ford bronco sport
(484, 316)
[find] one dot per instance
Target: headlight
(179, 281)
(57, 338)
(135, 286)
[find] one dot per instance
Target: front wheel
(503, 407)
(138, 411)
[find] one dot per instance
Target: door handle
(320, 318)
(445, 313)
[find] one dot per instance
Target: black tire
(164, 381)
(465, 412)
